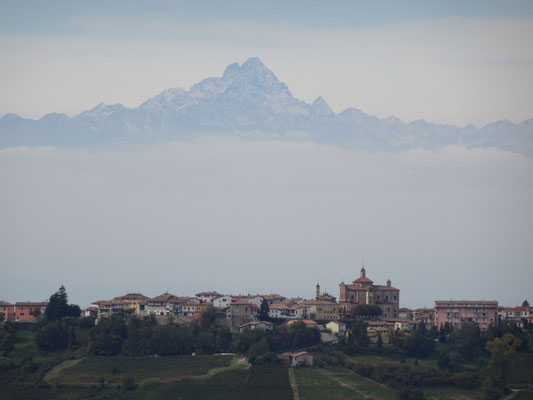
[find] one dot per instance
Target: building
(288, 310)
(337, 327)
(296, 359)
(425, 315)
(26, 311)
(133, 302)
(324, 296)
(321, 310)
(377, 328)
(273, 298)
(518, 316)
(7, 311)
(160, 305)
(363, 291)
(307, 322)
(405, 313)
(456, 312)
(239, 313)
(207, 297)
(222, 302)
(259, 325)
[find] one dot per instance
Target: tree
(379, 341)
(418, 343)
(264, 311)
(466, 340)
(358, 333)
(365, 310)
(59, 308)
(501, 350)
(525, 303)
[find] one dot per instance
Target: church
(363, 291)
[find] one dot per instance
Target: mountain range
(248, 100)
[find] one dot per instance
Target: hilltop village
(361, 298)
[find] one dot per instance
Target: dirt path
(294, 386)
(54, 372)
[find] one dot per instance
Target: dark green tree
(501, 350)
(418, 343)
(358, 333)
(379, 342)
(466, 340)
(525, 303)
(264, 309)
(59, 308)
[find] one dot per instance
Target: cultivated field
(94, 370)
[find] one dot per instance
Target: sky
(451, 62)
(265, 216)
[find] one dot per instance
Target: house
(160, 305)
(405, 313)
(296, 359)
(273, 298)
(363, 291)
(425, 315)
(337, 327)
(287, 310)
(321, 309)
(222, 302)
(307, 322)
(25, 311)
(250, 298)
(104, 308)
(259, 325)
(133, 302)
(188, 308)
(7, 311)
(90, 312)
(207, 297)
(238, 313)
(455, 312)
(518, 316)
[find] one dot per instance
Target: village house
(250, 298)
(307, 322)
(519, 316)
(296, 359)
(133, 302)
(324, 296)
(405, 313)
(287, 310)
(273, 298)
(363, 291)
(207, 297)
(425, 315)
(91, 311)
(222, 302)
(259, 325)
(321, 309)
(7, 311)
(482, 312)
(336, 327)
(25, 311)
(377, 328)
(160, 305)
(238, 313)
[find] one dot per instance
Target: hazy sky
(448, 62)
(237, 216)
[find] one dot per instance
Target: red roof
(240, 302)
(520, 308)
(5, 303)
(305, 321)
(31, 303)
(132, 296)
(163, 297)
(363, 279)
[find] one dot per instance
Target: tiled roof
(469, 302)
(363, 279)
(256, 323)
(31, 303)
(520, 308)
(5, 303)
(319, 302)
(132, 296)
(381, 287)
(163, 297)
(272, 296)
(305, 321)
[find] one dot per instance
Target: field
(93, 370)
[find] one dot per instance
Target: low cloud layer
(239, 217)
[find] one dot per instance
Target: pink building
(25, 310)
(455, 312)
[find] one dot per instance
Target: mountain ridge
(250, 98)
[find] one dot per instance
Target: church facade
(363, 291)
